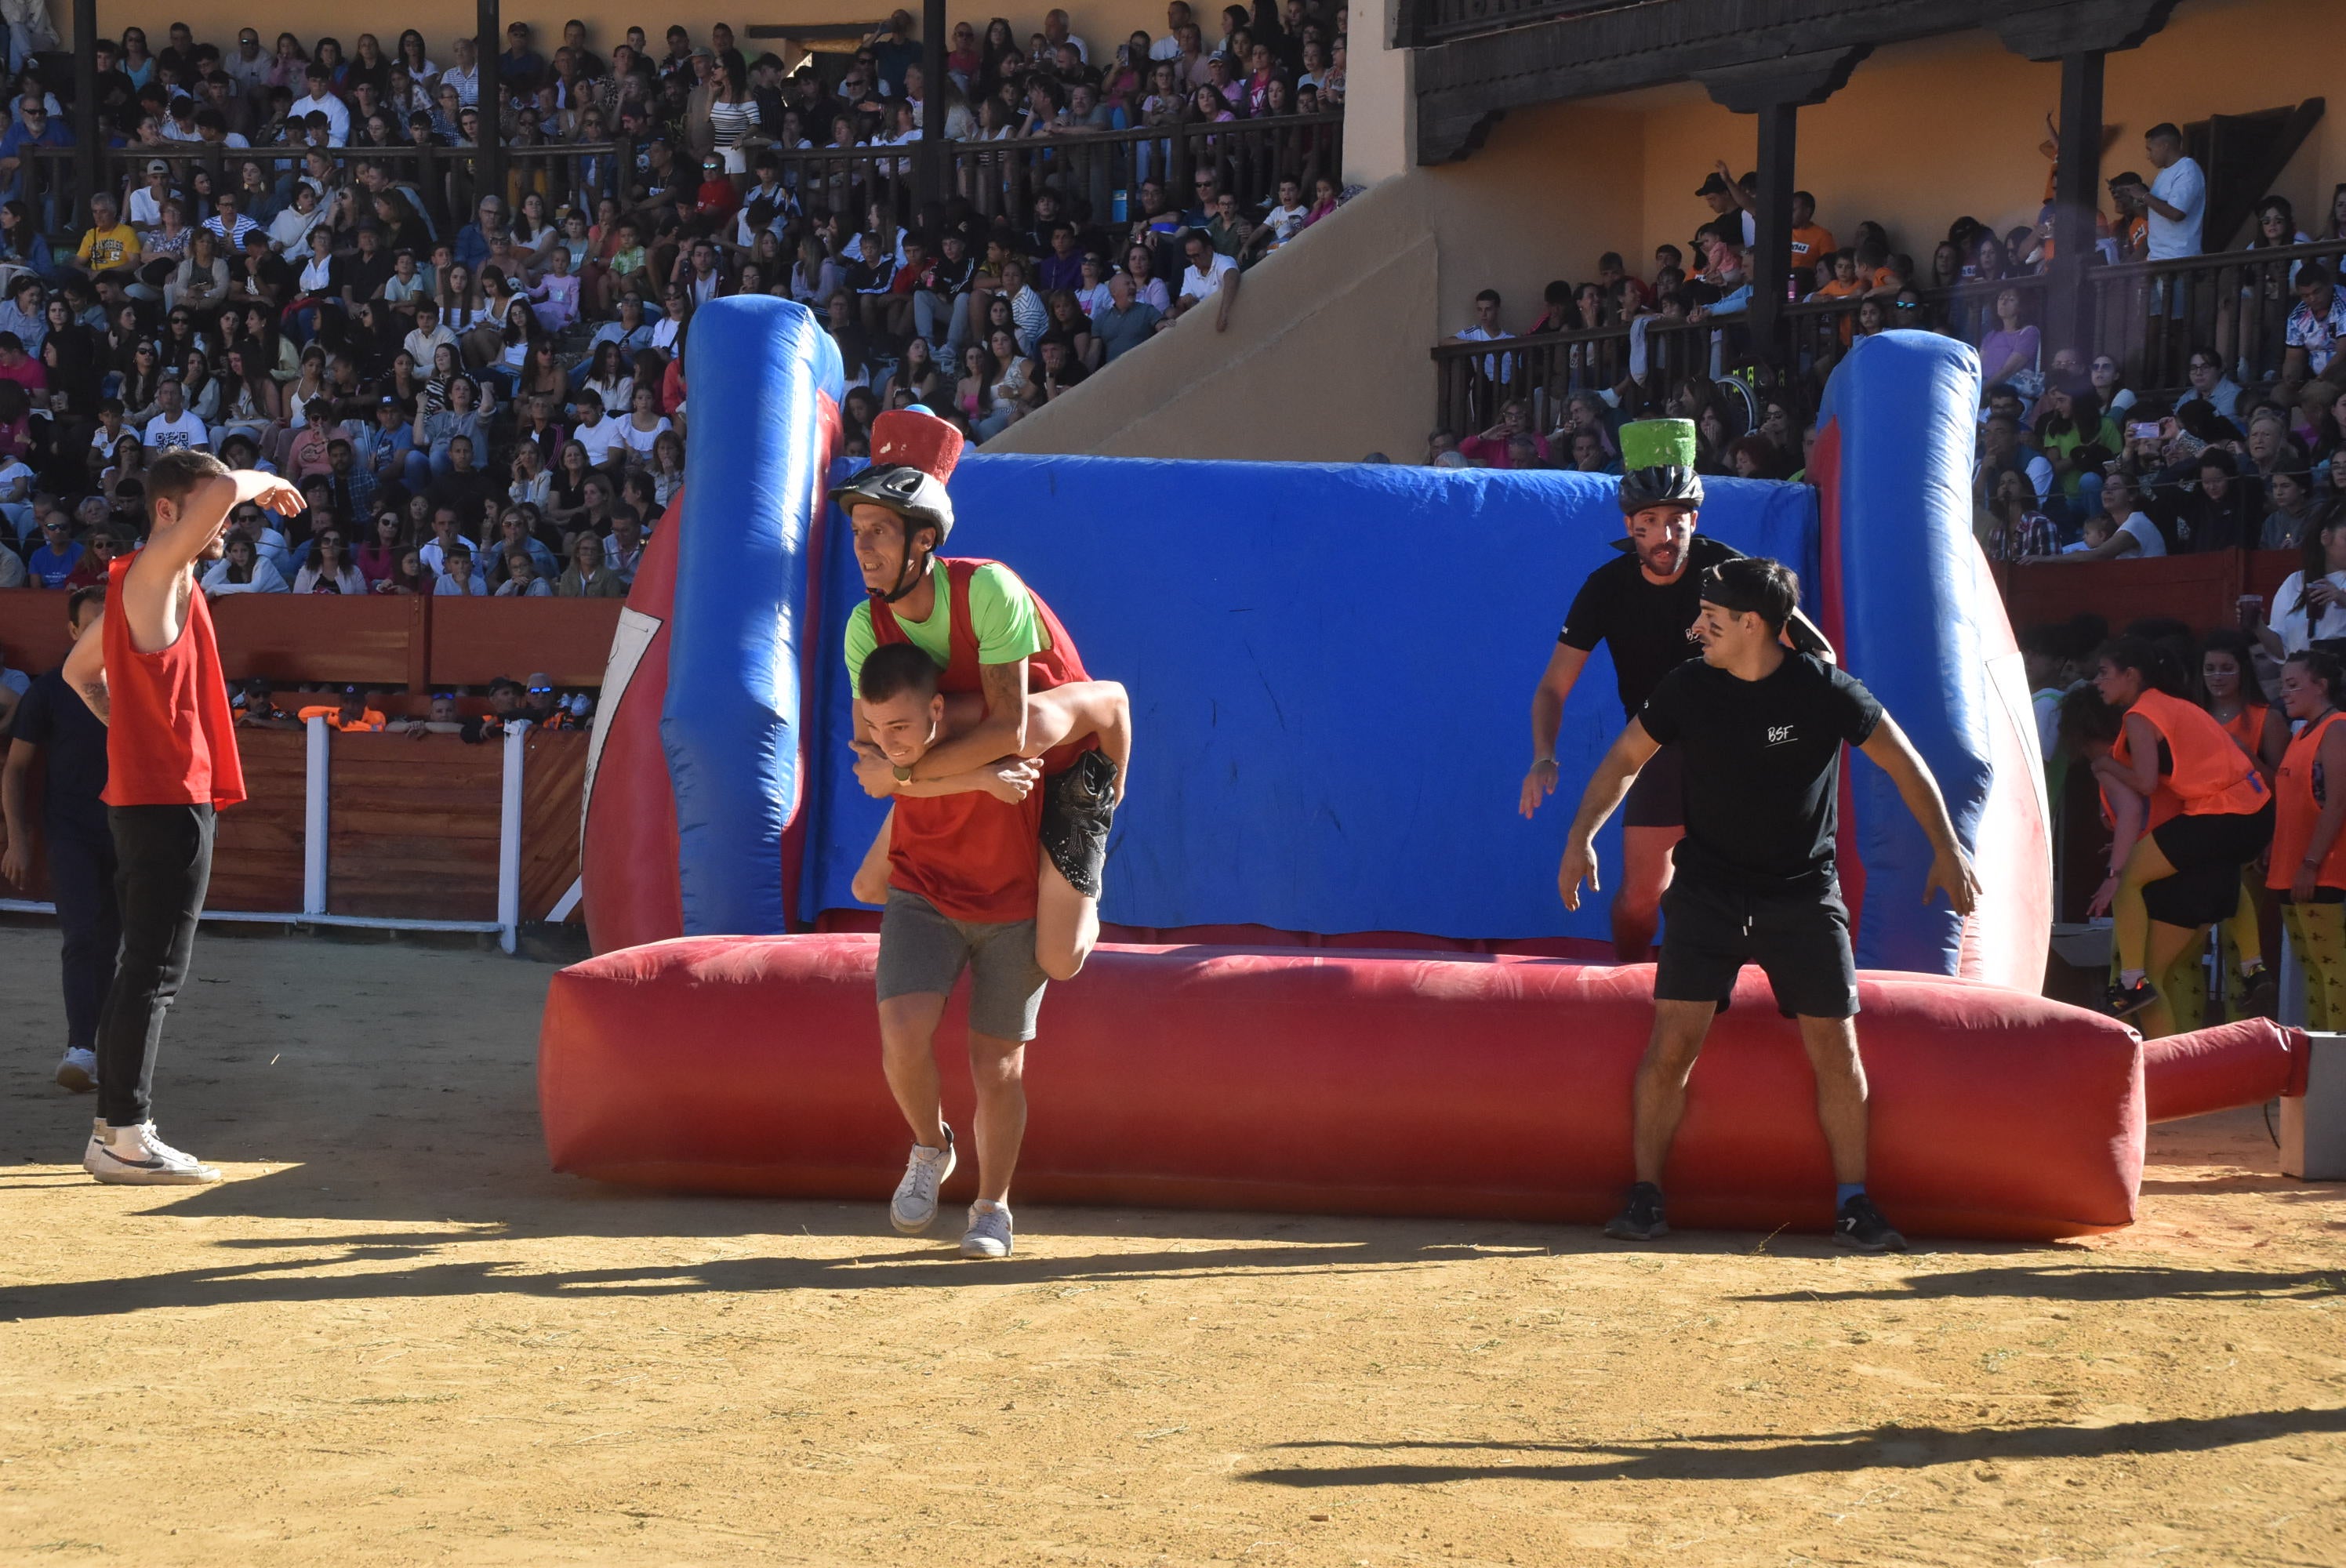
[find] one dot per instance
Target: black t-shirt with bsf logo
(1646, 625)
(1761, 764)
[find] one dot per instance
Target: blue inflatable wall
(1332, 670)
(730, 722)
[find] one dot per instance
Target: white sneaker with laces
(78, 1072)
(915, 1207)
(135, 1156)
(988, 1235)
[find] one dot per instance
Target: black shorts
(1709, 933)
(1656, 798)
(1078, 810)
(2207, 853)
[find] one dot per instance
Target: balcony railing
(2149, 316)
(1251, 157)
(1434, 21)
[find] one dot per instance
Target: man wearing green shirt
(973, 873)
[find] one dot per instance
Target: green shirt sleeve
(860, 641)
(1002, 613)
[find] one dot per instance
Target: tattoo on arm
(93, 692)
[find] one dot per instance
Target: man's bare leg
(1841, 1092)
(871, 883)
(1637, 904)
(1066, 922)
(998, 1068)
(907, 1030)
(1657, 1104)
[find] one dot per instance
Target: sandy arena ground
(393, 1337)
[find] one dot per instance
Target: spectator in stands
(2079, 440)
(242, 570)
(2315, 326)
(588, 576)
(457, 576)
(59, 552)
(331, 568)
(2286, 525)
(2008, 352)
(2309, 606)
(2017, 530)
(2216, 512)
(2176, 203)
(2123, 530)
(1495, 447)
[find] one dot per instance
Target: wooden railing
(416, 642)
(2149, 315)
(1000, 176)
(439, 182)
(1417, 22)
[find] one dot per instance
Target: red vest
(972, 856)
(170, 738)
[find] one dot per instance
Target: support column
(89, 143)
(931, 161)
(489, 155)
(1775, 91)
(1771, 260)
(2076, 196)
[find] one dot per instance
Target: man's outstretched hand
(1579, 866)
(1538, 785)
(1951, 873)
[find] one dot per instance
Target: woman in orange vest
(2211, 814)
(2228, 691)
(2308, 852)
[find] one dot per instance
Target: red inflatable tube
(2243, 1064)
(1396, 1083)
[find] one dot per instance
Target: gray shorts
(923, 953)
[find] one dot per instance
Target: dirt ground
(393, 1337)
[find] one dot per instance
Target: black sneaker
(1642, 1219)
(2259, 994)
(1859, 1225)
(2126, 1001)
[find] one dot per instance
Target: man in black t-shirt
(55, 727)
(1761, 730)
(1642, 607)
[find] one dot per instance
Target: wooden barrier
(2200, 591)
(33, 636)
(553, 805)
(256, 854)
(411, 827)
(323, 638)
(2266, 572)
(474, 641)
(417, 642)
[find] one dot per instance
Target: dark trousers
(163, 857)
(81, 881)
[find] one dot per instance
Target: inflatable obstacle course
(1328, 664)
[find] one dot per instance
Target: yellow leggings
(2240, 927)
(2317, 932)
(2182, 1004)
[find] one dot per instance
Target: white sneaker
(135, 1156)
(78, 1072)
(915, 1207)
(988, 1235)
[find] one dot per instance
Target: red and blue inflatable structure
(1319, 868)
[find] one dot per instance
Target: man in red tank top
(1035, 752)
(150, 670)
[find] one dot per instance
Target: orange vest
(2210, 777)
(2246, 726)
(2299, 791)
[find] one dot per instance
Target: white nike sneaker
(988, 1235)
(78, 1072)
(915, 1207)
(135, 1156)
